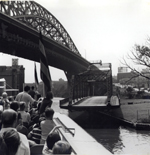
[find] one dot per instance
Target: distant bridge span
(20, 23)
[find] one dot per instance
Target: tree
(139, 56)
(124, 81)
(129, 92)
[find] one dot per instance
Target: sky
(105, 30)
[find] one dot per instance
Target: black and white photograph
(75, 77)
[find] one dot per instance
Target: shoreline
(131, 112)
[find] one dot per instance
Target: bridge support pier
(70, 79)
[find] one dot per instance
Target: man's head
(62, 147)
(26, 88)
(9, 118)
(52, 138)
(22, 106)
(49, 113)
(14, 105)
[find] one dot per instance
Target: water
(123, 140)
(119, 140)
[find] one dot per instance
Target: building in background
(14, 77)
(122, 69)
(133, 79)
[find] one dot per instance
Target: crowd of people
(26, 120)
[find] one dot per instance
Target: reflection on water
(123, 140)
(118, 140)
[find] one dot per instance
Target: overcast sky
(101, 29)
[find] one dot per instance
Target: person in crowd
(11, 98)
(47, 102)
(62, 147)
(32, 92)
(1, 107)
(40, 99)
(9, 143)
(47, 125)
(22, 129)
(38, 95)
(15, 106)
(19, 124)
(4, 101)
(34, 114)
(1, 118)
(34, 109)
(51, 139)
(24, 96)
(39, 106)
(9, 119)
(35, 133)
(24, 115)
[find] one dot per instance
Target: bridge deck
(95, 102)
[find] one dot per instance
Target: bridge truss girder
(20, 40)
(92, 83)
(37, 17)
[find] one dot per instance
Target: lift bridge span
(20, 24)
(91, 90)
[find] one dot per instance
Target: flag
(44, 71)
(35, 76)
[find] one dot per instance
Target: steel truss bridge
(20, 24)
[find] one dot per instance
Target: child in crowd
(15, 106)
(62, 147)
(24, 115)
(47, 125)
(51, 139)
(4, 101)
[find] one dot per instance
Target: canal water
(117, 139)
(123, 140)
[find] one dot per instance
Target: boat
(81, 142)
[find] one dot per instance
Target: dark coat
(45, 103)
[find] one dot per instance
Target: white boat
(81, 142)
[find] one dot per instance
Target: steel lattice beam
(37, 17)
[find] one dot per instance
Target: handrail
(66, 129)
